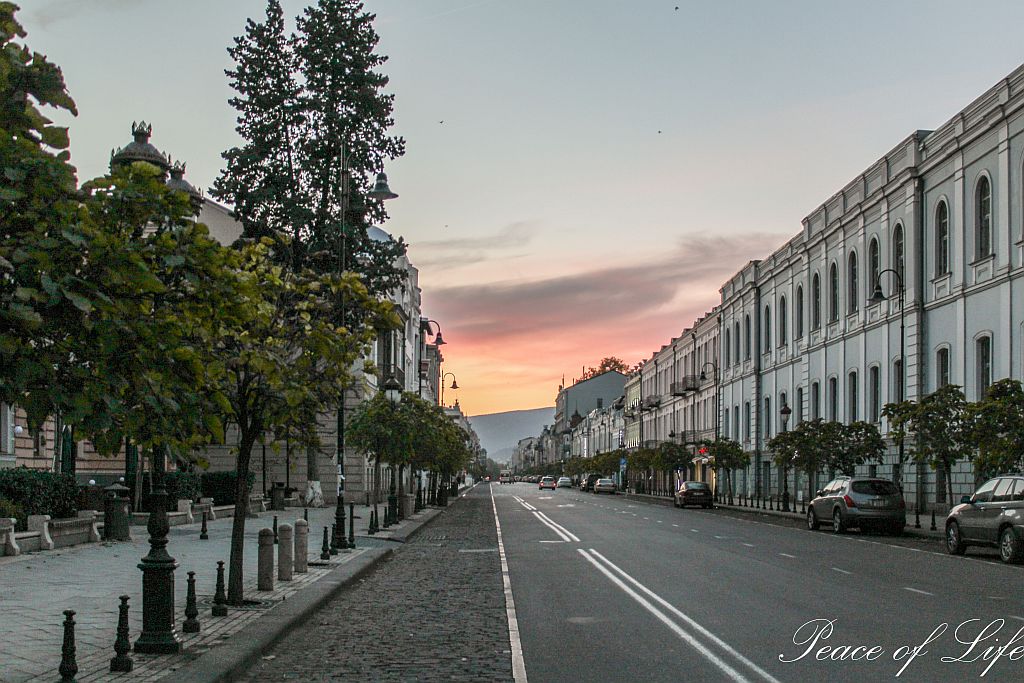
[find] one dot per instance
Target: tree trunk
(949, 484)
(314, 496)
(235, 566)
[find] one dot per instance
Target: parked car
(858, 502)
(564, 483)
(604, 485)
(547, 483)
(993, 516)
(693, 493)
(587, 482)
(505, 477)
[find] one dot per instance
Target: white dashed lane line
(841, 571)
(917, 590)
(788, 555)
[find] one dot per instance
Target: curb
(231, 659)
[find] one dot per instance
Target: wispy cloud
(46, 14)
(457, 252)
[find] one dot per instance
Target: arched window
(815, 400)
(799, 313)
(766, 322)
(833, 292)
(874, 265)
(736, 341)
(983, 219)
(833, 399)
(728, 346)
(941, 367)
(941, 239)
(816, 303)
(983, 363)
(783, 339)
(875, 393)
(798, 412)
(851, 388)
(897, 251)
(746, 337)
(851, 281)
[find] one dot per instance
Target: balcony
(652, 402)
(687, 384)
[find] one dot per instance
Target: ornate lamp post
(393, 393)
(784, 413)
(455, 385)
(158, 635)
(877, 297)
(714, 377)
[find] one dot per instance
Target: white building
(943, 209)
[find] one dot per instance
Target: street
(654, 593)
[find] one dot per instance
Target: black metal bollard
(917, 517)
(203, 535)
(771, 503)
(305, 514)
(325, 551)
(220, 598)
(334, 535)
(122, 661)
(933, 520)
(275, 529)
(376, 518)
(338, 541)
(68, 665)
(803, 507)
(351, 525)
(191, 623)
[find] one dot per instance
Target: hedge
(221, 486)
(39, 493)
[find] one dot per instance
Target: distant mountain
(500, 432)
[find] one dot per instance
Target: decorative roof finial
(141, 131)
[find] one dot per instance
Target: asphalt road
(607, 589)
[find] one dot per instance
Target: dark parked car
(993, 516)
(587, 482)
(693, 493)
(858, 502)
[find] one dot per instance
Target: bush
(9, 510)
(40, 493)
(182, 486)
(221, 486)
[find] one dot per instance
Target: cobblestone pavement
(434, 612)
(36, 587)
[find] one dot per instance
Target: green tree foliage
(301, 98)
(606, 365)
(860, 443)
(728, 455)
(996, 427)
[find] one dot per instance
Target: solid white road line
(557, 531)
(518, 665)
(568, 533)
(917, 590)
(792, 557)
(685, 635)
(691, 622)
(841, 571)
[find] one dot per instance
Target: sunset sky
(602, 166)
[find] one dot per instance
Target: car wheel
(812, 520)
(837, 521)
(896, 529)
(954, 542)
(1010, 547)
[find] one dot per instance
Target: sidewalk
(910, 530)
(35, 588)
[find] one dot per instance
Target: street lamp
(703, 378)
(392, 389)
(438, 339)
(785, 412)
(878, 297)
(455, 385)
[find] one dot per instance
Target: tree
(606, 365)
(814, 440)
(996, 426)
(860, 443)
(728, 455)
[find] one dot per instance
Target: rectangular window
(799, 412)
(746, 421)
(736, 422)
(898, 380)
(851, 410)
(983, 349)
(767, 418)
(876, 393)
(815, 401)
(941, 368)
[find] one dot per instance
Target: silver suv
(858, 502)
(993, 516)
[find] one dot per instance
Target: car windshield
(548, 479)
(696, 485)
(875, 488)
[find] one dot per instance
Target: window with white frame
(851, 282)
(833, 293)
(875, 395)
(941, 367)
(941, 239)
(799, 314)
(983, 362)
(852, 396)
(897, 251)
(983, 219)
(783, 333)
(816, 302)
(874, 264)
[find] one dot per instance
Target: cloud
(56, 11)
(614, 301)
(458, 252)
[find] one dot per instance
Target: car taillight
(903, 504)
(849, 502)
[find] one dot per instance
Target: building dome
(177, 182)
(140, 149)
(378, 235)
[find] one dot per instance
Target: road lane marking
(720, 538)
(552, 527)
(478, 550)
(552, 541)
(675, 525)
(685, 635)
(1014, 616)
(518, 665)
(841, 571)
(696, 531)
(788, 555)
(568, 533)
(689, 621)
(917, 590)
(749, 545)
